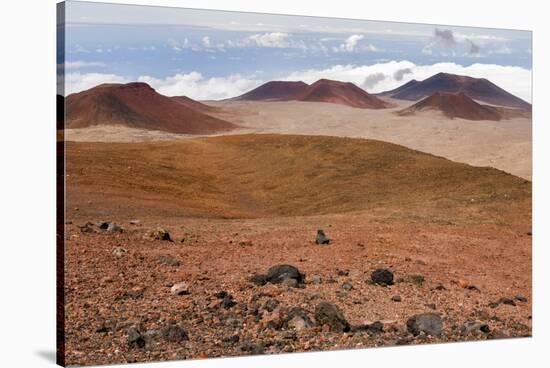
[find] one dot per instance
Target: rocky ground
(206, 288)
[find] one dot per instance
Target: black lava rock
(279, 273)
(329, 314)
(382, 276)
(134, 338)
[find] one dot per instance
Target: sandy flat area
(505, 144)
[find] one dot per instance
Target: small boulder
(471, 326)
(160, 234)
(228, 302)
(114, 228)
(134, 338)
(321, 238)
(103, 225)
(279, 273)
(396, 298)
(180, 288)
(347, 285)
(119, 251)
(168, 260)
(298, 319)
(507, 301)
(428, 323)
(382, 276)
(174, 332)
(88, 227)
(521, 298)
(329, 314)
(316, 279)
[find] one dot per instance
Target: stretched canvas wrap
(237, 183)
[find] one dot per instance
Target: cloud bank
(374, 78)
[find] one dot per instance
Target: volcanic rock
(134, 338)
(279, 273)
(429, 323)
(321, 238)
(160, 234)
(382, 276)
(174, 332)
(329, 314)
(119, 251)
(180, 289)
(470, 326)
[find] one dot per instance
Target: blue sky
(215, 54)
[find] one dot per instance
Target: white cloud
(76, 82)
(83, 64)
(197, 87)
(351, 42)
(273, 39)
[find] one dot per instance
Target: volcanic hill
(344, 93)
(454, 105)
(479, 89)
(194, 104)
(137, 105)
(274, 90)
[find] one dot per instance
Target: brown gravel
(107, 294)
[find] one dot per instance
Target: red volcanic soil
(275, 90)
(454, 105)
(137, 105)
(345, 93)
(195, 105)
(479, 89)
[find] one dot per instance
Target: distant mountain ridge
(479, 89)
(323, 90)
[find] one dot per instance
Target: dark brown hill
(454, 105)
(345, 93)
(275, 90)
(479, 89)
(137, 105)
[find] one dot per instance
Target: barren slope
(279, 175)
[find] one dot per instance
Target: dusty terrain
(505, 144)
(236, 205)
